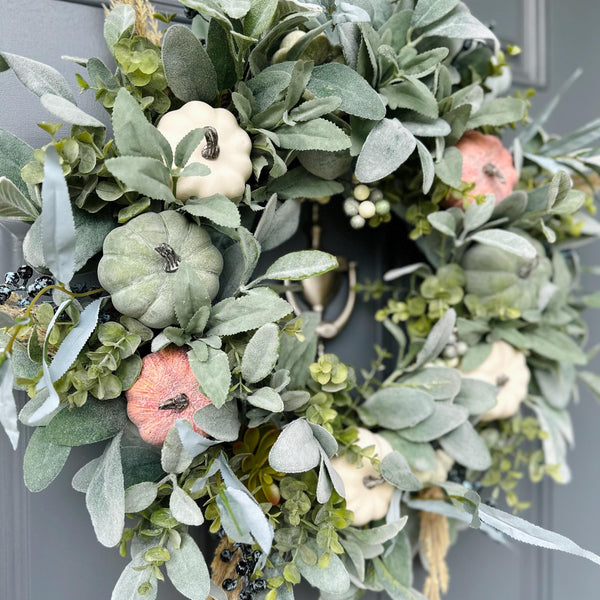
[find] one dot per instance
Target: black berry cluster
(244, 568)
(20, 282)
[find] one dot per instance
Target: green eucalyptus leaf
(296, 450)
(466, 447)
(449, 169)
(221, 423)
(184, 508)
(445, 418)
(140, 496)
(267, 399)
(333, 579)
(396, 470)
(188, 68)
(43, 461)
(130, 581)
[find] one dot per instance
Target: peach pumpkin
(487, 164)
(165, 391)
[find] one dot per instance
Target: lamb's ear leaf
(187, 569)
(8, 407)
(58, 225)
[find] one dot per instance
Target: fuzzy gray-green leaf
(43, 460)
(261, 353)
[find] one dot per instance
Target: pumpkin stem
(172, 259)
(370, 482)
(502, 380)
(493, 171)
(211, 150)
(177, 404)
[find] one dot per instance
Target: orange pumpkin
(165, 391)
(487, 164)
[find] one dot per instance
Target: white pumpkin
(506, 368)
(368, 502)
(439, 474)
(225, 150)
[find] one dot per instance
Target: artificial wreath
(139, 319)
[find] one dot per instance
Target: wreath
(141, 318)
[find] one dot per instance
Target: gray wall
(47, 547)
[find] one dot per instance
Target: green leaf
(277, 224)
(441, 382)
(267, 399)
(299, 183)
(299, 265)
(427, 166)
(388, 145)
(477, 214)
(187, 569)
(184, 508)
(444, 222)
(218, 49)
(259, 17)
(413, 95)
(466, 447)
(357, 96)
(476, 396)
(135, 136)
(130, 581)
(333, 579)
(14, 155)
(190, 296)
(523, 531)
(449, 169)
(217, 208)
(117, 22)
(14, 204)
(318, 134)
(148, 176)
(73, 344)
(261, 353)
(138, 497)
(174, 457)
(459, 24)
(428, 11)
(236, 315)
(395, 470)
(187, 145)
(95, 421)
(507, 241)
(213, 375)
(317, 107)
(38, 77)
(236, 9)
(400, 407)
(188, 68)
(444, 419)
(498, 112)
(43, 461)
(58, 227)
(556, 345)
(436, 340)
(223, 423)
(105, 498)
(68, 112)
(296, 450)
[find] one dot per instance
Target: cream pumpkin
(366, 496)
(225, 150)
(506, 368)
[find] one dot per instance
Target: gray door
(47, 546)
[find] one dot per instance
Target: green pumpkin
(500, 279)
(140, 261)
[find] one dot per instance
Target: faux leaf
(507, 241)
(267, 399)
(388, 145)
(236, 315)
(301, 265)
(43, 460)
(8, 408)
(14, 204)
(261, 353)
(357, 96)
(428, 11)
(58, 227)
(318, 134)
(184, 508)
(295, 450)
(187, 569)
(14, 155)
(437, 339)
(466, 446)
(217, 208)
(68, 112)
(395, 470)
(213, 375)
(399, 407)
(188, 68)
(105, 498)
(117, 22)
